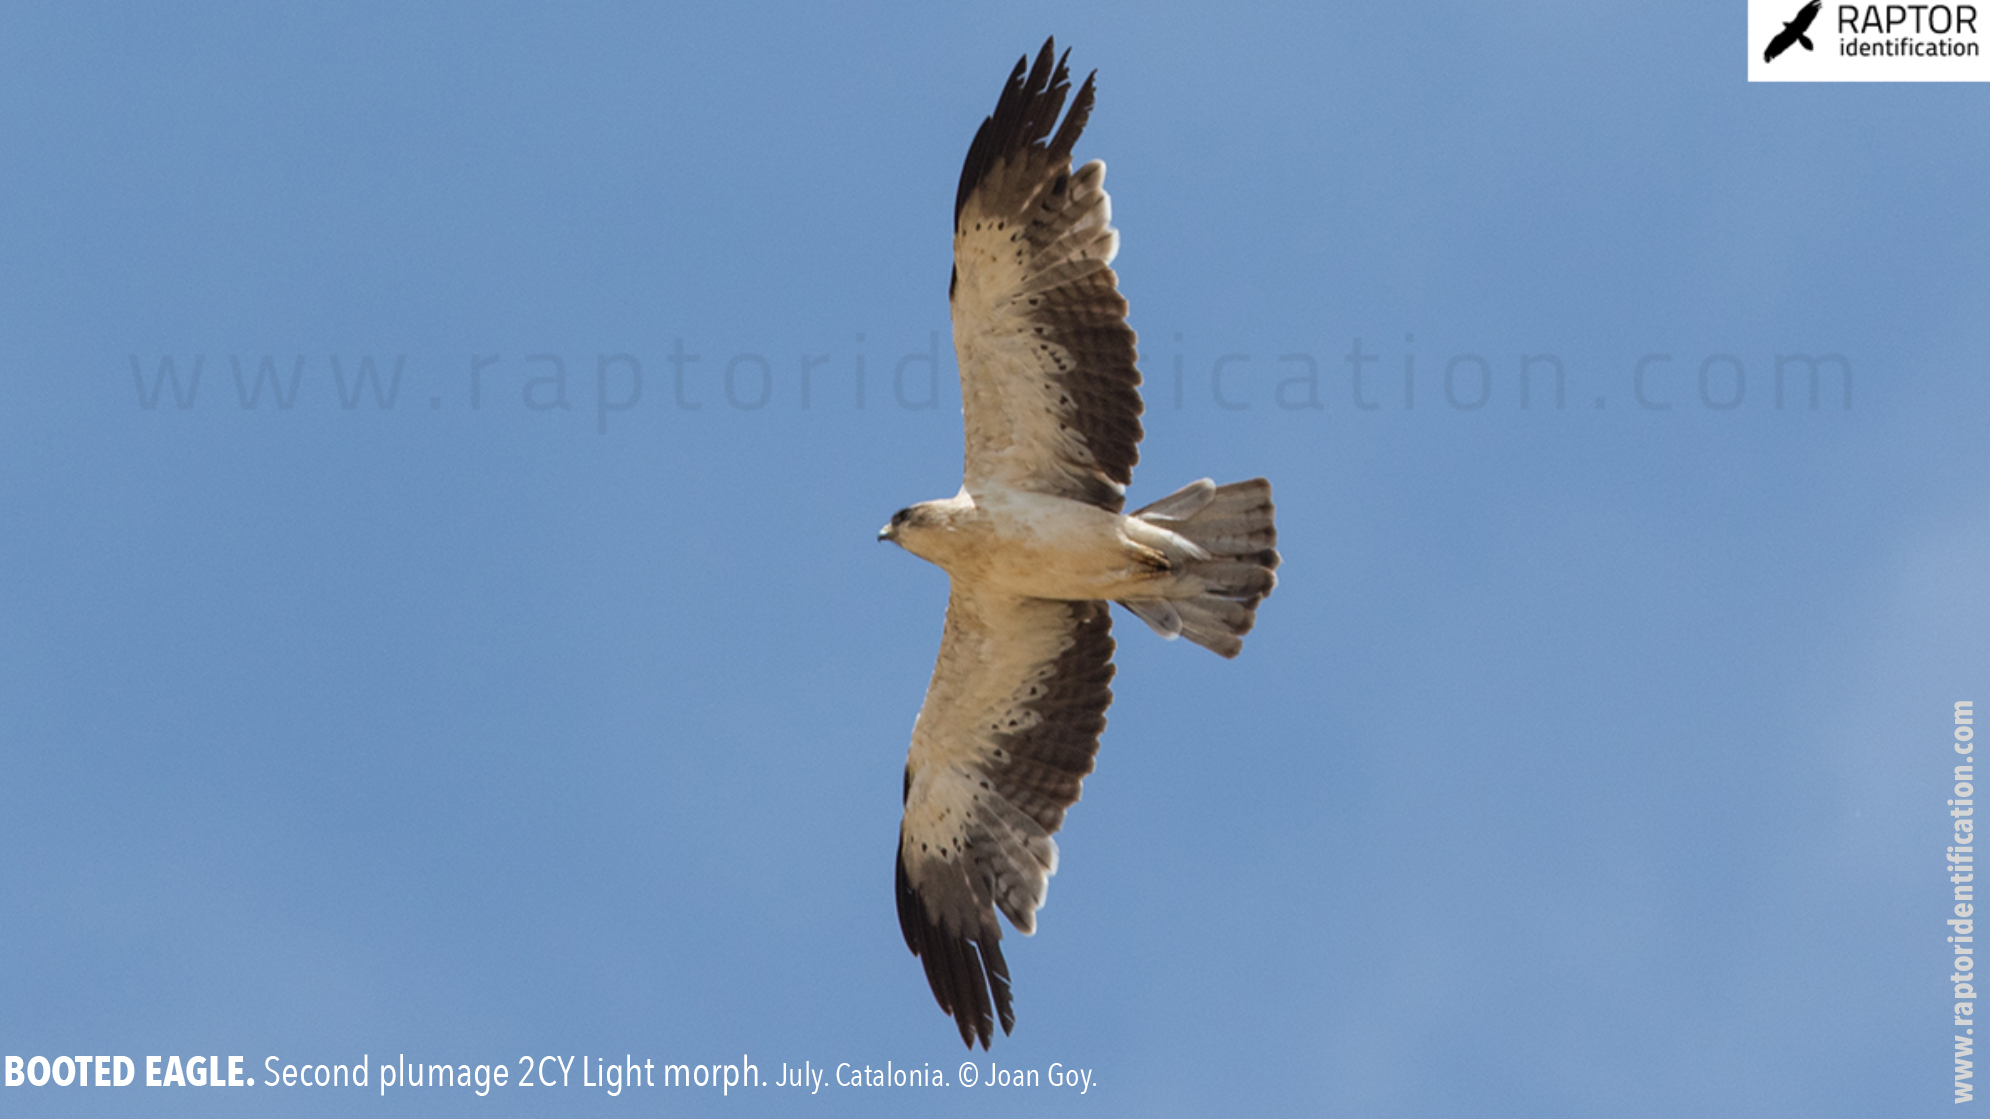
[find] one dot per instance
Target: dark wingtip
(1024, 116)
(963, 971)
(1074, 121)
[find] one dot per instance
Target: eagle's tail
(1228, 573)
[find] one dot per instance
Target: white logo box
(1920, 42)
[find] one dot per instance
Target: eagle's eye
(901, 516)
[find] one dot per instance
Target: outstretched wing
(1048, 385)
(1805, 16)
(1009, 730)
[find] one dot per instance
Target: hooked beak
(888, 532)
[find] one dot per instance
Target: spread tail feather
(1230, 569)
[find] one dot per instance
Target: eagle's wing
(1008, 731)
(1806, 16)
(1048, 385)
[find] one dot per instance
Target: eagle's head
(904, 520)
(935, 531)
(917, 528)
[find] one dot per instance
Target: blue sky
(1590, 758)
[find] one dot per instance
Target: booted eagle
(1037, 546)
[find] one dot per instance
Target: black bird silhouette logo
(1793, 32)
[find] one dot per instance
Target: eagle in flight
(1793, 32)
(1036, 546)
